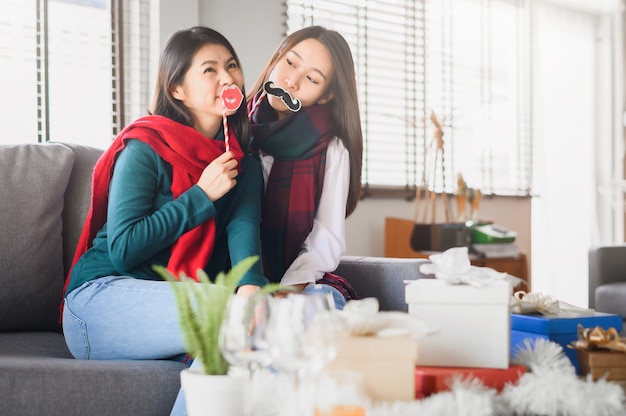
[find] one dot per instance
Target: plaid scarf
(298, 144)
(189, 152)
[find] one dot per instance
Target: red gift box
(430, 380)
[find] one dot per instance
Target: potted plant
(201, 307)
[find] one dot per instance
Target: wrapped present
(471, 324)
(387, 364)
(601, 353)
(381, 345)
(602, 363)
(430, 380)
(468, 307)
(562, 330)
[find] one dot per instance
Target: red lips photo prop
(231, 97)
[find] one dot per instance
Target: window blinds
(140, 52)
(466, 61)
(77, 70)
(77, 58)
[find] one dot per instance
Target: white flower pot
(209, 394)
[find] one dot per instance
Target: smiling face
(306, 72)
(212, 69)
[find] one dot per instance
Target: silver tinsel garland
(550, 387)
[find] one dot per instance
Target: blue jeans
(122, 318)
(340, 301)
(119, 317)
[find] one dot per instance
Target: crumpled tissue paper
(454, 267)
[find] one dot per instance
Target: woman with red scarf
(174, 189)
(306, 131)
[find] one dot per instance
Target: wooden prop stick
(427, 191)
(439, 154)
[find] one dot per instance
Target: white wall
(255, 28)
(176, 15)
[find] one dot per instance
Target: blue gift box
(557, 329)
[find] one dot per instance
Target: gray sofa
(44, 192)
(607, 279)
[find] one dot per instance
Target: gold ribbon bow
(598, 338)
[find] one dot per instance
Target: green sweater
(144, 220)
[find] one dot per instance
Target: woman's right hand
(219, 176)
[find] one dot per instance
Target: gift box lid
(540, 324)
(429, 291)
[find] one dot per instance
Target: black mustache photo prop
(293, 104)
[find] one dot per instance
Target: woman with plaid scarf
(306, 131)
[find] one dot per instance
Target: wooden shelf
(398, 244)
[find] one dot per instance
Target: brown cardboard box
(387, 364)
(599, 363)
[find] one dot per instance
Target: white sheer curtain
(55, 67)
(573, 104)
(59, 66)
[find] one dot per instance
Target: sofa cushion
(381, 277)
(33, 182)
(610, 298)
(33, 344)
(58, 386)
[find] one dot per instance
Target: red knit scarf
(188, 152)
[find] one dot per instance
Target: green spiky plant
(201, 308)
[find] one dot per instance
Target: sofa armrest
(381, 277)
(607, 264)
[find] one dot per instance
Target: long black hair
(344, 104)
(175, 60)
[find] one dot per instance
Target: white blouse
(326, 243)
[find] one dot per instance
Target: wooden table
(398, 244)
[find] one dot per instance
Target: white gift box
(473, 324)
